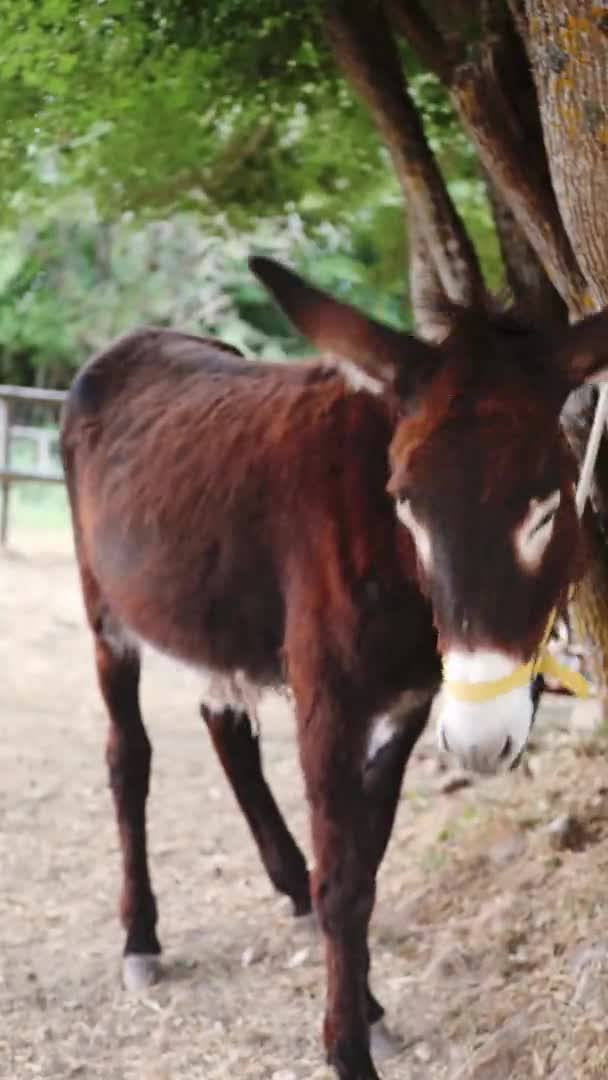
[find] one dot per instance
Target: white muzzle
(485, 736)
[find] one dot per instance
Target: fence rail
(10, 397)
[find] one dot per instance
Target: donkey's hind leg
(128, 755)
(238, 749)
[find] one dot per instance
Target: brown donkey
(334, 525)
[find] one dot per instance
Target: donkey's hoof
(383, 1043)
(140, 970)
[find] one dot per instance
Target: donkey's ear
(384, 358)
(583, 355)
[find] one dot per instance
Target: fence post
(5, 421)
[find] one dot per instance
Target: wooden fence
(45, 472)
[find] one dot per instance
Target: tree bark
(568, 46)
(567, 42)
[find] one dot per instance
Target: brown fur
(235, 515)
(240, 517)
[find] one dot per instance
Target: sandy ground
(489, 937)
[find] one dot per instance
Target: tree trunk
(568, 48)
(567, 43)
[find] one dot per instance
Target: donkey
(339, 526)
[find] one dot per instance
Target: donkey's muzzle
(488, 735)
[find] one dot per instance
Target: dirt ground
(489, 941)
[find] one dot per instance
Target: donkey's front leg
(343, 882)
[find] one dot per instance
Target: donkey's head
(481, 477)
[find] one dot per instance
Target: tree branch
(366, 52)
(532, 290)
(425, 286)
(496, 101)
(424, 37)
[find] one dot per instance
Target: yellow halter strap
(543, 662)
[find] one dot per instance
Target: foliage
(71, 282)
(226, 107)
(174, 104)
(199, 132)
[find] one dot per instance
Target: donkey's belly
(201, 610)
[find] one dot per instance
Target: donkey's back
(204, 485)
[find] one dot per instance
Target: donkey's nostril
(444, 741)
(506, 750)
